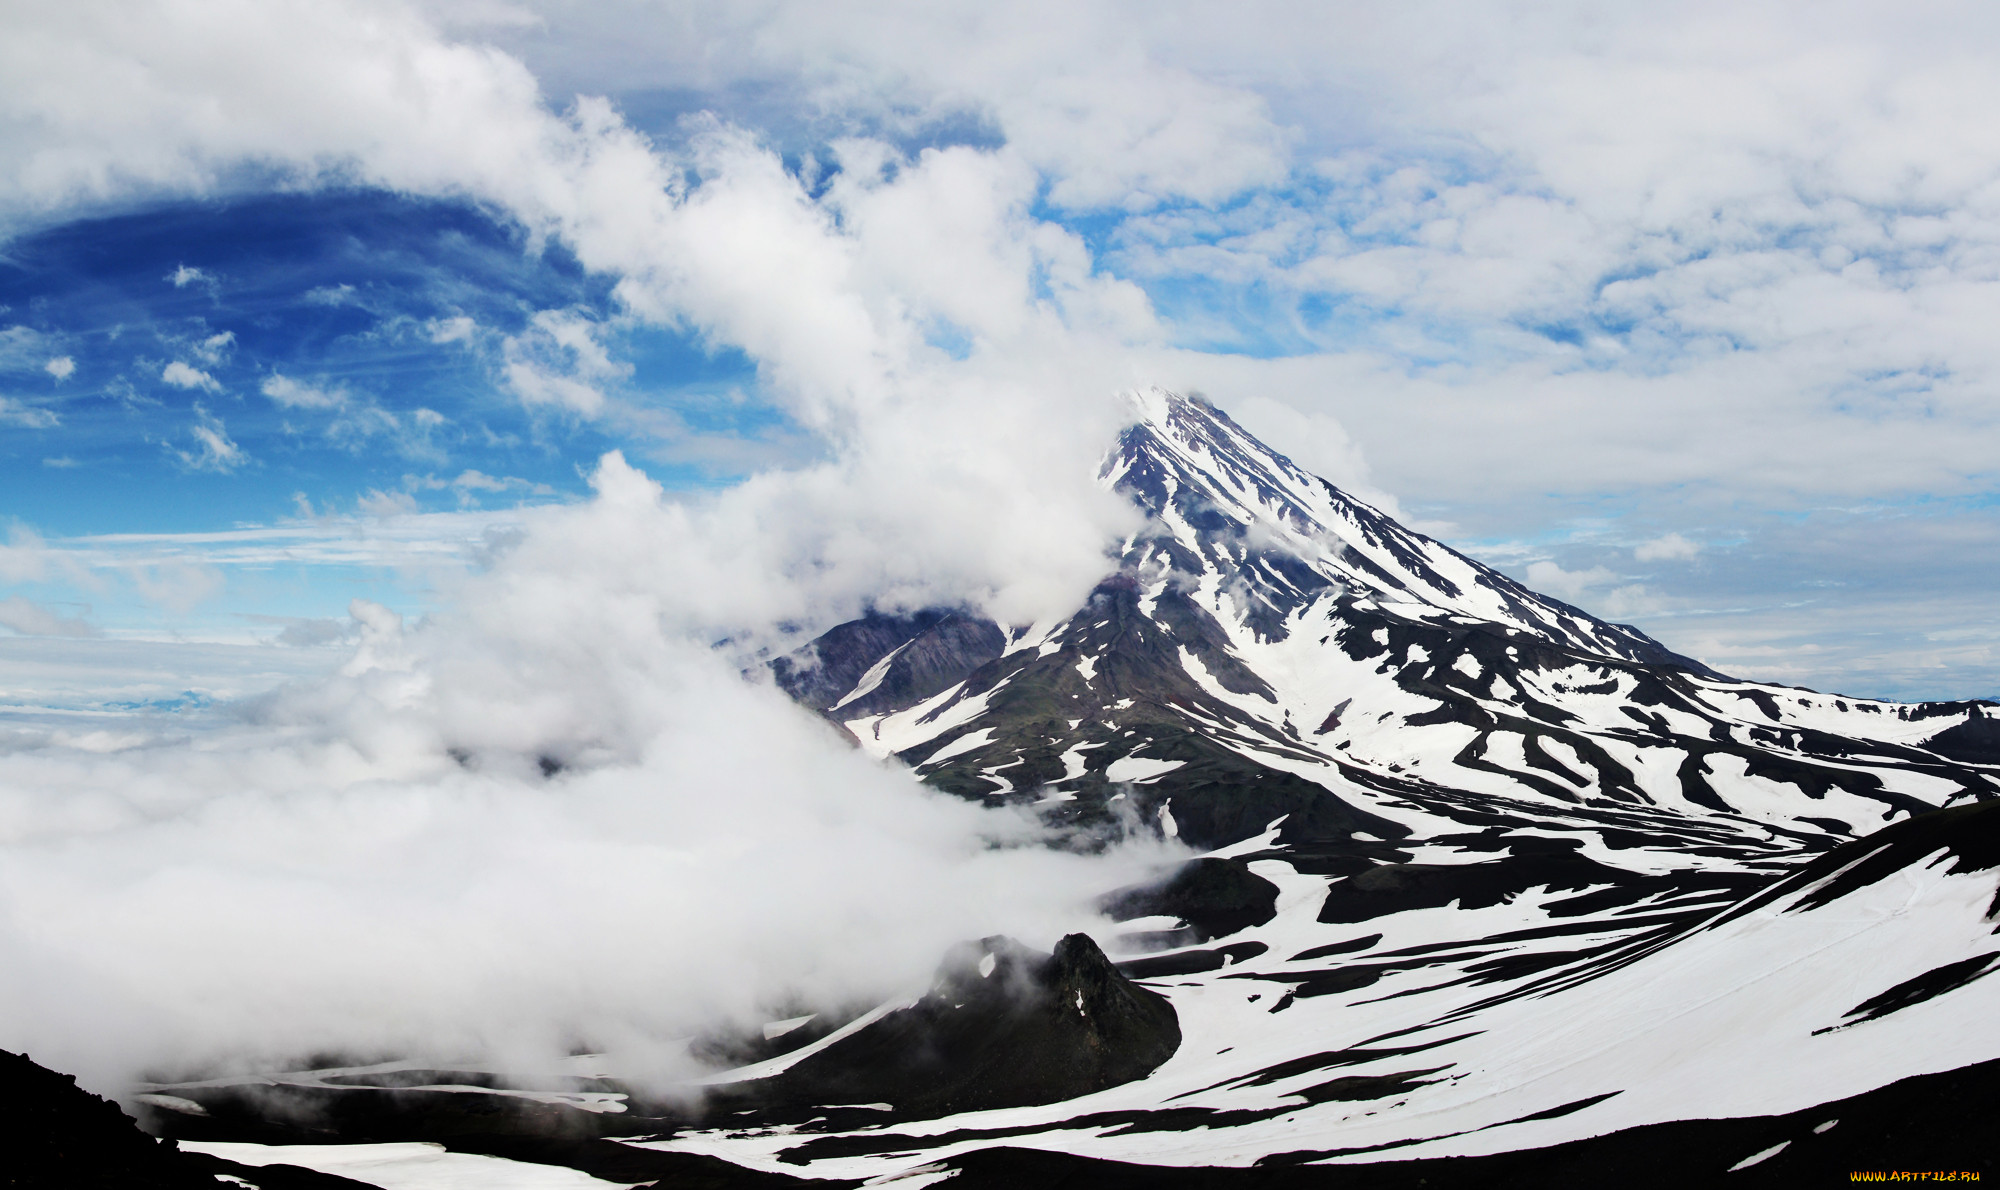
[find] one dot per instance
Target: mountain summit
(1271, 648)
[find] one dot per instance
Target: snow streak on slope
(1234, 507)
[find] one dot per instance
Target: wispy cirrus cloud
(212, 450)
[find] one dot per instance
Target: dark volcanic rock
(1971, 833)
(55, 1135)
(1002, 1026)
(819, 674)
(1215, 896)
(288, 1113)
(1976, 741)
(1393, 888)
(934, 649)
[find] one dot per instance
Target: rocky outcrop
(1002, 1026)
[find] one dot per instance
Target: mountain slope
(1537, 877)
(1270, 646)
(1478, 874)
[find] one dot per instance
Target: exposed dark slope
(1001, 1026)
(56, 1136)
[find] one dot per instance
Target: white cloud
(1317, 443)
(213, 449)
(215, 347)
(1115, 108)
(457, 329)
(182, 375)
(468, 485)
(1568, 585)
(24, 557)
(357, 421)
(1672, 547)
(177, 585)
(186, 275)
(32, 619)
(61, 367)
(560, 360)
(380, 504)
(692, 807)
(20, 413)
(291, 394)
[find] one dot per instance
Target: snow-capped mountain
(1480, 875)
(1270, 645)
(1536, 877)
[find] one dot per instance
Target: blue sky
(1684, 322)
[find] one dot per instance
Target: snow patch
(404, 1165)
(1139, 768)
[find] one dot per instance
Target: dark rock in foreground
(1002, 1026)
(56, 1135)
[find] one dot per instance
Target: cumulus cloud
(916, 314)
(457, 329)
(1569, 585)
(1595, 588)
(471, 484)
(292, 394)
(61, 367)
(1317, 443)
(380, 504)
(183, 375)
(1672, 547)
(216, 347)
(330, 295)
(328, 874)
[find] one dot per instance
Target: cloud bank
(555, 815)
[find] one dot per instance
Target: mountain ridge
(1245, 554)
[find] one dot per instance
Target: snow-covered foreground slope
(1452, 1031)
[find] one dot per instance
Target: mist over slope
(554, 815)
